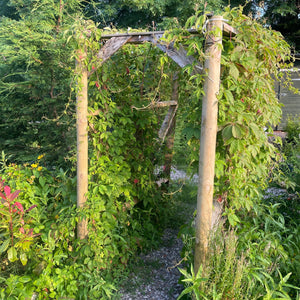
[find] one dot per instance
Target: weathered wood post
(208, 139)
(171, 131)
(82, 138)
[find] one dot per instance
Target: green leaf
(236, 132)
(253, 150)
(4, 246)
(23, 258)
(12, 254)
(255, 129)
(227, 132)
(24, 279)
(233, 219)
(234, 71)
(42, 181)
(188, 290)
(229, 96)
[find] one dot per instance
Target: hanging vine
(248, 106)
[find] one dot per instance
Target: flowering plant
(16, 234)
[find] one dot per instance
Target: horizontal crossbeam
(227, 29)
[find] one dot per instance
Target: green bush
(45, 256)
(259, 259)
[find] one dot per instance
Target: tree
(36, 79)
(284, 16)
(280, 15)
(8, 10)
(148, 13)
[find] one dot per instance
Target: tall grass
(256, 260)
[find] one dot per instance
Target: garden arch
(114, 42)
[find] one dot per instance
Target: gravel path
(158, 276)
(159, 279)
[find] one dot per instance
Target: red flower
(219, 199)
(243, 100)
(93, 67)
(127, 71)
(97, 84)
(136, 181)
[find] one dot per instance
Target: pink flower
(136, 181)
(93, 67)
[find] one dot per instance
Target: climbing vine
(123, 124)
(248, 107)
(124, 202)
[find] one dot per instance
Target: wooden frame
(212, 64)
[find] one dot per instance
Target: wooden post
(82, 139)
(171, 132)
(208, 139)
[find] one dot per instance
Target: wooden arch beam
(115, 42)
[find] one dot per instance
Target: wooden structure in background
(290, 101)
(167, 130)
(216, 26)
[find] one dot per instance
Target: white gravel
(161, 277)
(179, 175)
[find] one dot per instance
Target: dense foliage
(248, 106)
(36, 82)
(284, 17)
(36, 62)
(281, 15)
(149, 13)
(259, 258)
